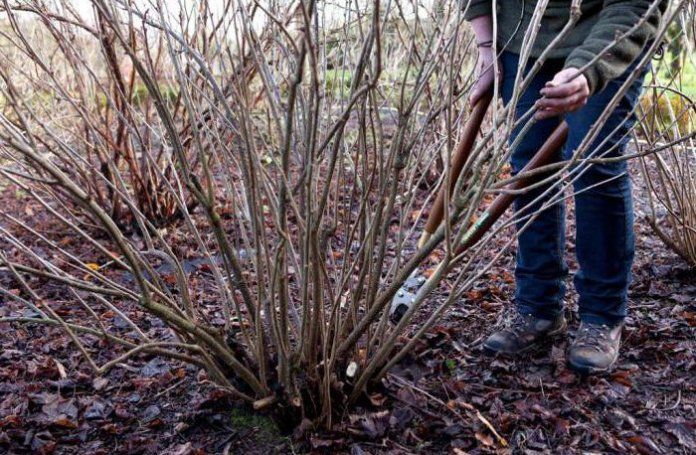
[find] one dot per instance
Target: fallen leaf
(644, 445)
(684, 433)
(111, 428)
(65, 423)
(97, 410)
(484, 439)
(377, 399)
(56, 408)
(155, 367)
(561, 426)
(61, 369)
(429, 272)
(99, 383)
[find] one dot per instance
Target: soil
(446, 398)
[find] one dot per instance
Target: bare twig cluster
(292, 142)
(669, 114)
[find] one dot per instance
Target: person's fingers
(476, 95)
(542, 114)
(564, 84)
(563, 90)
(567, 92)
(547, 113)
(484, 81)
(546, 103)
(480, 87)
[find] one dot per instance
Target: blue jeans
(604, 213)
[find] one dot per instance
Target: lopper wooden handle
(461, 155)
(545, 155)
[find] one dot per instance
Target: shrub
(667, 114)
(668, 124)
(80, 97)
(307, 193)
(670, 175)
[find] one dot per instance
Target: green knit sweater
(601, 21)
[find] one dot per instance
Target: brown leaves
(690, 318)
(43, 367)
(100, 383)
(684, 432)
(57, 410)
(372, 425)
(184, 449)
(429, 272)
(408, 396)
(644, 445)
(65, 423)
(11, 420)
(622, 377)
(377, 399)
(535, 402)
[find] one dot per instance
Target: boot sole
(586, 370)
(537, 344)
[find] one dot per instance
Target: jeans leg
(604, 208)
(541, 268)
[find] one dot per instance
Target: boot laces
(520, 323)
(592, 336)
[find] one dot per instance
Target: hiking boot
(522, 333)
(595, 349)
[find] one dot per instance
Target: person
(603, 206)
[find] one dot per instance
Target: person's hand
(484, 74)
(562, 94)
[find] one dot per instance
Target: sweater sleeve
(476, 8)
(616, 18)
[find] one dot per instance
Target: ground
(447, 398)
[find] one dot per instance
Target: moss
(101, 100)
(141, 94)
(266, 429)
(42, 98)
(337, 80)
(661, 111)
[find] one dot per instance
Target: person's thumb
(561, 77)
(476, 94)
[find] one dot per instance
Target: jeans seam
(560, 220)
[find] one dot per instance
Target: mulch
(447, 397)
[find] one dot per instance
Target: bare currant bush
(289, 147)
(104, 132)
(669, 121)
